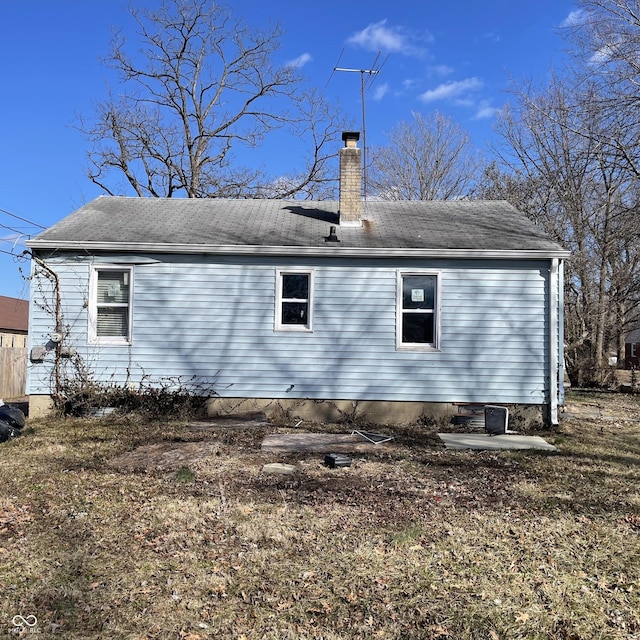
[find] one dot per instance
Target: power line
(13, 255)
(13, 215)
(4, 226)
(12, 241)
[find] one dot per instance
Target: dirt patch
(600, 405)
(165, 455)
(196, 443)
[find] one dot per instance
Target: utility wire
(13, 241)
(14, 255)
(13, 215)
(4, 226)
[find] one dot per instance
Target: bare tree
(571, 160)
(430, 158)
(565, 178)
(202, 86)
(605, 38)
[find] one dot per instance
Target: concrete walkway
(483, 441)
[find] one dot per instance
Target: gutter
(332, 251)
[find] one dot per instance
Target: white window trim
(279, 326)
(92, 311)
(413, 346)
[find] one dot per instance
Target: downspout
(561, 357)
(553, 342)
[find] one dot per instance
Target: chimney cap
(351, 135)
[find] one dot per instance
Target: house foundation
(40, 406)
(524, 417)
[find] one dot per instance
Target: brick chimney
(350, 180)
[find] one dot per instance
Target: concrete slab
(317, 442)
(483, 441)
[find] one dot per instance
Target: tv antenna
(367, 78)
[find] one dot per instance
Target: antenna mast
(370, 75)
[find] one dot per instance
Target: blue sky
(457, 57)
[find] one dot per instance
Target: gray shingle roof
(411, 225)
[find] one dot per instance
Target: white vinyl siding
(110, 294)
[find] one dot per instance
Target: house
(388, 310)
(14, 322)
(632, 350)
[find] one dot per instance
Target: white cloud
(441, 70)
(381, 91)
(409, 84)
(466, 101)
(452, 90)
(574, 19)
(490, 36)
(485, 111)
(606, 53)
(377, 36)
(300, 61)
(603, 55)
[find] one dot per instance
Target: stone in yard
(278, 467)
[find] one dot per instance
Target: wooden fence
(13, 373)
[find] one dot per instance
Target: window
(418, 311)
(110, 305)
(294, 296)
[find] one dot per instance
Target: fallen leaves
(414, 543)
(13, 518)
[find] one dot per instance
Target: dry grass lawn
(116, 528)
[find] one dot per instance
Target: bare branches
(427, 159)
(202, 86)
(607, 40)
(312, 119)
(560, 166)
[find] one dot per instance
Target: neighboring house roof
(14, 314)
(424, 228)
(633, 336)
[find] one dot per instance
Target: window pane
(295, 286)
(417, 328)
(113, 322)
(418, 292)
(295, 313)
(113, 286)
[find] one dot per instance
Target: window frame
(281, 326)
(400, 311)
(93, 306)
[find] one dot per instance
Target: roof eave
(328, 251)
